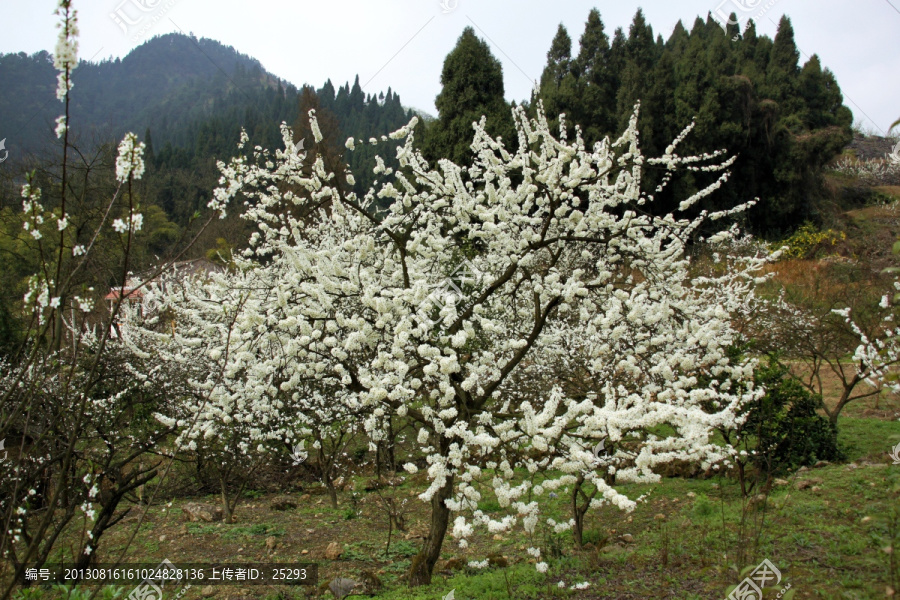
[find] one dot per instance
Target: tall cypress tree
(472, 86)
(641, 54)
(558, 85)
(597, 81)
(559, 58)
(782, 71)
(640, 58)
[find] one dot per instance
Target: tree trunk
(226, 505)
(332, 493)
(423, 563)
(742, 478)
(845, 394)
(579, 511)
(326, 466)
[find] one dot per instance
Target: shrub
(787, 430)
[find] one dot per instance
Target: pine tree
(559, 89)
(559, 58)
(326, 95)
(640, 57)
(782, 71)
(596, 81)
(822, 96)
(472, 86)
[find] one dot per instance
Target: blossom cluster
(873, 171)
(130, 162)
(65, 56)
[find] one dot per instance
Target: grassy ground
(690, 539)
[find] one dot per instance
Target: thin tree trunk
(578, 530)
(332, 493)
(423, 564)
(578, 512)
(226, 506)
(325, 467)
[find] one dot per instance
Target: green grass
(868, 438)
(828, 543)
(231, 532)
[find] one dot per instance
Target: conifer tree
(596, 81)
(559, 87)
(782, 70)
(472, 87)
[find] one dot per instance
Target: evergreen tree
(559, 87)
(472, 86)
(782, 70)
(326, 95)
(640, 58)
(597, 81)
(559, 58)
(149, 154)
(745, 92)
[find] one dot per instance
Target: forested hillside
(188, 100)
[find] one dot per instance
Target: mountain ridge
(164, 83)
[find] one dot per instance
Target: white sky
(402, 43)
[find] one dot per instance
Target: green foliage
(488, 505)
(553, 544)
(32, 593)
(703, 507)
(786, 430)
(231, 532)
(472, 86)
(403, 548)
(747, 94)
(809, 242)
(358, 552)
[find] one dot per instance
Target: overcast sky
(402, 43)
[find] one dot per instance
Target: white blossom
(65, 56)
(61, 126)
(314, 125)
(130, 162)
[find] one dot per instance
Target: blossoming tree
(527, 313)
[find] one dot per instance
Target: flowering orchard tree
(565, 274)
(878, 353)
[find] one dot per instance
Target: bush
(808, 242)
(785, 425)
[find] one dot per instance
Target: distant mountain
(164, 84)
(188, 99)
